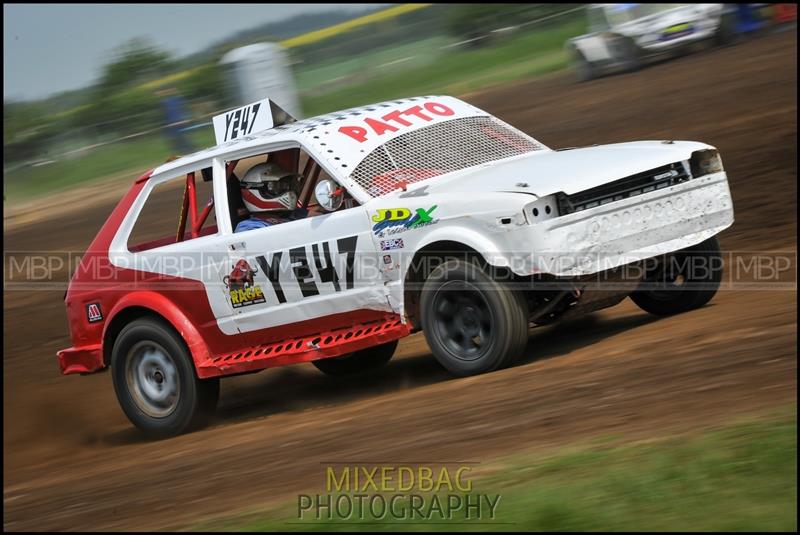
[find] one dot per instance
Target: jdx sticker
(395, 220)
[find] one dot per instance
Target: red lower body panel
(85, 359)
(257, 350)
(314, 346)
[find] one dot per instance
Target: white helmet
(268, 187)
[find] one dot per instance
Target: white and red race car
(424, 213)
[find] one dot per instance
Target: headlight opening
(705, 162)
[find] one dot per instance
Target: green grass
(134, 156)
(314, 78)
(531, 52)
(740, 477)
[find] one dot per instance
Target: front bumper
(87, 359)
(629, 230)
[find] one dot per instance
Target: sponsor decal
(93, 313)
(242, 289)
(240, 122)
(306, 265)
(395, 220)
(678, 30)
(396, 120)
(305, 260)
(388, 245)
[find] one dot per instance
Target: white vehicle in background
(624, 36)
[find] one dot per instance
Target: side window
(251, 207)
(597, 20)
(316, 175)
(167, 217)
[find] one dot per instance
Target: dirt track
(72, 461)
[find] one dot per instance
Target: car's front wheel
(684, 281)
(726, 33)
(358, 361)
(472, 322)
(155, 381)
(585, 70)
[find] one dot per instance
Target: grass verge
(135, 156)
(530, 53)
(739, 477)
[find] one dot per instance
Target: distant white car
(424, 213)
(623, 36)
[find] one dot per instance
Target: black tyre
(684, 281)
(155, 380)
(631, 59)
(358, 361)
(585, 70)
(726, 33)
(473, 323)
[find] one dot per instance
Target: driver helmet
(268, 187)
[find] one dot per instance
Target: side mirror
(329, 195)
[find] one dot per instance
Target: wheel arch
(151, 304)
(430, 255)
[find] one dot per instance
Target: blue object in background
(174, 108)
(748, 18)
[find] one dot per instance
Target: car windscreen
(438, 149)
(619, 14)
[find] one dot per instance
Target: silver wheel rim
(153, 380)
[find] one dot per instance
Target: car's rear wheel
(155, 381)
(358, 361)
(631, 56)
(473, 323)
(684, 281)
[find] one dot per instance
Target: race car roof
(344, 138)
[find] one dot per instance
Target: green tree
(206, 83)
(134, 61)
(117, 105)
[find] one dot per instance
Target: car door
(312, 269)
(322, 270)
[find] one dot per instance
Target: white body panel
(301, 246)
(576, 244)
(569, 171)
(593, 47)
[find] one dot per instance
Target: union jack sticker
(388, 245)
